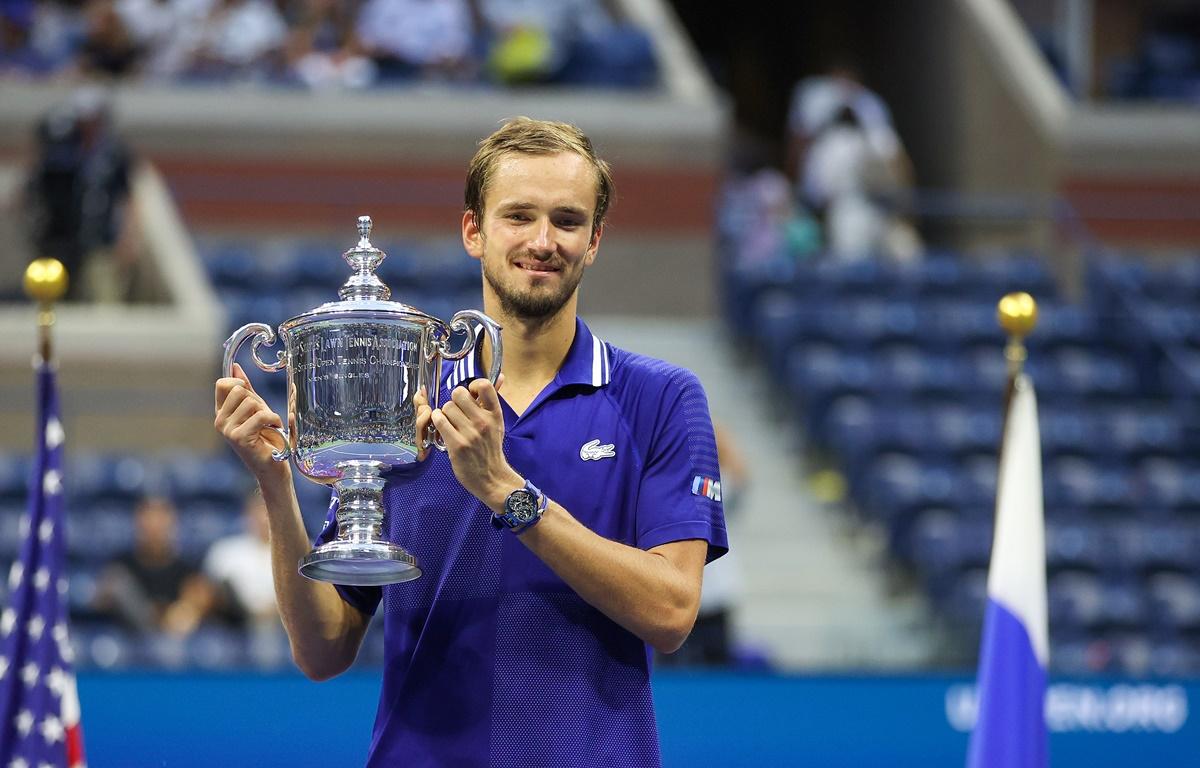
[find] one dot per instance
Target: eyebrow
(524, 206)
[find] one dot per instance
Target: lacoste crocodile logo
(593, 451)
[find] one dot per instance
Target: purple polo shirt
(490, 658)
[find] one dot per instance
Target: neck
(534, 350)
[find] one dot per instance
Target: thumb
(238, 373)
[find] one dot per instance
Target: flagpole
(45, 283)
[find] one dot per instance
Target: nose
(541, 242)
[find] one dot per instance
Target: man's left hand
(472, 427)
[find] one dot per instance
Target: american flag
(39, 704)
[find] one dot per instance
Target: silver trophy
(353, 368)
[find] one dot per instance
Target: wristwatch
(522, 509)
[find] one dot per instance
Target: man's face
(535, 240)
(155, 524)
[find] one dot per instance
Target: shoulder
(648, 381)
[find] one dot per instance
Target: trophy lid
(363, 294)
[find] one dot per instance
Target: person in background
(849, 167)
(238, 40)
(409, 39)
(322, 46)
(79, 198)
(240, 567)
(152, 588)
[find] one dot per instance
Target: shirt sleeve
(365, 599)
(680, 492)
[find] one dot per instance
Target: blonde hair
(527, 136)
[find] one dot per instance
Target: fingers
(239, 406)
(252, 428)
(230, 395)
(227, 384)
(247, 408)
(485, 394)
(460, 419)
(424, 418)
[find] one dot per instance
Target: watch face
(522, 505)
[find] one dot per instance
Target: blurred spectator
(413, 38)
(850, 167)
(322, 49)
(78, 194)
(167, 31)
(18, 55)
(770, 228)
(237, 39)
(240, 566)
(817, 102)
(108, 49)
(56, 32)
(152, 588)
(531, 40)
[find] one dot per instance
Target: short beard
(529, 305)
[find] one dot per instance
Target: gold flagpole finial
(1018, 316)
(45, 283)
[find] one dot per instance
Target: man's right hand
(244, 420)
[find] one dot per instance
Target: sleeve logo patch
(706, 487)
(593, 451)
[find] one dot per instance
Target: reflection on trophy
(353, 368)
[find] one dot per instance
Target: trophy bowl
(353, 368)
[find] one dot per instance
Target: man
(525, 641)
(152, 588)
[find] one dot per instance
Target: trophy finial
(363, 258)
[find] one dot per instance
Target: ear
(472, 236)
(593, 246)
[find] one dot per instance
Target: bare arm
(655, 594)
(325, 632)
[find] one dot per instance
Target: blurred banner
(705, 719)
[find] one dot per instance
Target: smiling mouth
(536, 268)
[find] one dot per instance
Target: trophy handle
(263, 334)
(461, 323)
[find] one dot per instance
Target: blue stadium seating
(899, 372)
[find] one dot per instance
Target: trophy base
(359, 564)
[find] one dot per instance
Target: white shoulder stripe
(597, 363)
(600, 362)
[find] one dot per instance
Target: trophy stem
(360, 502)
(359, 556)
